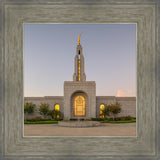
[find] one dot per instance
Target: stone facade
(71, 89)
(79, 87)
(128, 104)
(51, 100)
(79, 64)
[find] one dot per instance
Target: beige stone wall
(103, 100)
(51, 100)
(128, 104)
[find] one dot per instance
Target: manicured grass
(127, 121)
(55, 122)
(41, 122)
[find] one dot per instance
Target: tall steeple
(79, 74)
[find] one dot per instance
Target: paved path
(107, 129)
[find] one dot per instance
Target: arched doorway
(79, 106)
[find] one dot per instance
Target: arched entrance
(79, 106)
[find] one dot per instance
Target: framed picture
(14, 17)
(77, 84)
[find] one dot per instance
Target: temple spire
(79, 74)
(79, 39)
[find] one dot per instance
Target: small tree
(29, 108)
(57, 114)
(54, 113)
(44, 109)
(115, 109)
(105, 111)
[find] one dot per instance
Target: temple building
(80, 100)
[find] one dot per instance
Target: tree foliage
(115, 109)
(44, 109)
(111, 109)
(29, 107)
(54, 113)
(105, 111)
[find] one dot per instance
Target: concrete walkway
(106, 129)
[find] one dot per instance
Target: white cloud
(121, 93)
(125, 93)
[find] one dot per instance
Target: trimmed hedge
(126, 121)
(97, 119)
(41, 122)
(37, 119)
(76, 119)
(124, 118)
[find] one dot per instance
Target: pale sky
(109, 51)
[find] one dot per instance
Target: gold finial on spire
(79, 39)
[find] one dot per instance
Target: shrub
(115, 109)
(29, 108)
(117, 119)
(35, 119)
(97, 119)
(73, 119)
(41, 122)
(45, 119)
(59, 119)
(54, 114)
(126, 118)
(44, 109)
(111, 109)
(105, 111)
(87, 120)
(38, 118)
(110, 119)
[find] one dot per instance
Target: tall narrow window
(101, 109)
(79, 70)
(57, 107)
(79, 106)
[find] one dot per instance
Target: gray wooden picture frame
(144, 144)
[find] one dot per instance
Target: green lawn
(55, 122)
(126, 121)
(41, 122)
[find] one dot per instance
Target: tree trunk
(113, 117)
